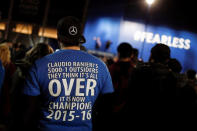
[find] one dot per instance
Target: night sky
(177, 14)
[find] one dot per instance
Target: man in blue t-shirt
(67, 82)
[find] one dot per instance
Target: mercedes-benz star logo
(72, 30)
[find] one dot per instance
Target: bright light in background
(150, 2)
(2, 26)
(23, 28)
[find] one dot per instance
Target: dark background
(177, 14)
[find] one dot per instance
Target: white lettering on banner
(91, 84)
(150, 37)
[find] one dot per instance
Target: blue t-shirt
(2, 73)
(69, 82)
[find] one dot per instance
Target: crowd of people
(69, 89)
(14, 72)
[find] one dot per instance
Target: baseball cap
(69, 30)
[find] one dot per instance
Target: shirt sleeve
(31, 86)
(2, 73)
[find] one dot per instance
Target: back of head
(125, 50)
(5, 54)
(160, 53)
(69, 31)
(38, 51)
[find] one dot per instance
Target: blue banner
(183, 44)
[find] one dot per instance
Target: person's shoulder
(115, 64)
(154, 68)
(93, 58)
(122, 65)
(144, 66)
(46, 58)
(42, 60)
(114, 67)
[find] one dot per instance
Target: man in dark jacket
(153, 88)
(120, 72)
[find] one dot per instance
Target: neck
(71, 48)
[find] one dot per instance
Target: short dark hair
(160, 53)
(125, 50)
(69, 31)
(38, 51)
